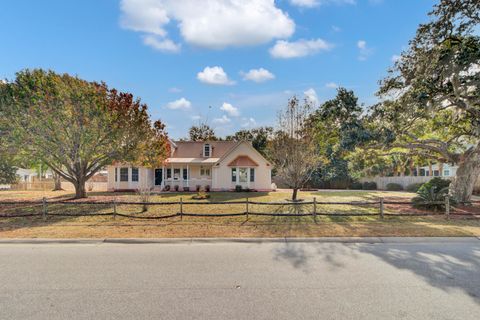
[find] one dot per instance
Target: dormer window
(207, 150)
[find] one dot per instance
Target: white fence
(403, 181)
(406, 181)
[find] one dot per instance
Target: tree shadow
(446, 265)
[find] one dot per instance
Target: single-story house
(218, 165)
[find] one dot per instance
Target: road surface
(406, 280)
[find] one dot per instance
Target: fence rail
(379, 205)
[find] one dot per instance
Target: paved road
(432, 280)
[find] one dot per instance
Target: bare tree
(293, 149)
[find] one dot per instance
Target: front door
(158, 177)
(243, 177)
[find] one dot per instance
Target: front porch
(184, 177)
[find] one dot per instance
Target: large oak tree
(74, 126)
(431, 99)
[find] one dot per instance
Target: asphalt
(333, 278)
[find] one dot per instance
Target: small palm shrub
(431, 195)
(394, 187)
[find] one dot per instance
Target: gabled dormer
(207, 150)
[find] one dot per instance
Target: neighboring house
(30, 175)
(218, 165)
(444, 170)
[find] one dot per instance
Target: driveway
(406, 279)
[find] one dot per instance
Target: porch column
(188, 176)
(163, 177)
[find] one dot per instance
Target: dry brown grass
(255, 226)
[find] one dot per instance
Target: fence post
(114, 208)
(381, 209)
(246, 207)
(315, 207)
(447, 206)
(44, 211)
(181, 208)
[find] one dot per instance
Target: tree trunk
(58, 182)
(80, 191)
(467, 175)
(294, 194)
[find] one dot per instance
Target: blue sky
(229, 62)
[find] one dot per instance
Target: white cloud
(248, 123)
(180, 104)
(223, 120)
(214, 75)
(231, 110)
(258, 75)
(362, 44)
(311, 95)
(316, 3)
(331, 85)
(336, 29)
(174, 90)
(300, 48)
(160, 44)
(212, 24)
(305, 3)
(365, 51)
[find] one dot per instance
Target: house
(30, 175)
(218, 165)
(438, 170)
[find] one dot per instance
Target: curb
(371, 240)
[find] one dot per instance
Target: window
(185, 174)
(234, 174)
(205, 171)
(116, 175)
(135, 174)
(252, 174)
(206, 150)
(123, 174)
(436, 173)
(242, 175)
(176, 174)
(169, 173)
(446, 173)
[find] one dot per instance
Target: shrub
(186, 189)
(207, 188)
(369, 185)
(166, 188)
(437, 183)
(431, 195)
(356, 185)
(198, 187)
(394, 187)
(413, 187)
(176, 188)
(238, 188)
